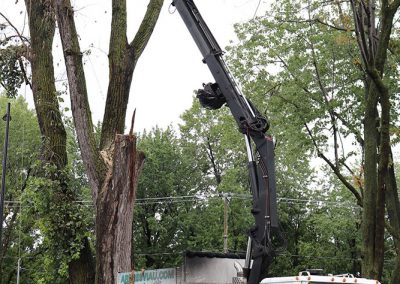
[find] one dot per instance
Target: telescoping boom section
(260, 147)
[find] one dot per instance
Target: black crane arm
(212, 56)
(253, 125)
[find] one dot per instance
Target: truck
(306, 277)
(260, 152)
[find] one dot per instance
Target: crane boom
(254, 126)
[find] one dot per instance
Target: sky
(170, 68)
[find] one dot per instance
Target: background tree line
(180, 207)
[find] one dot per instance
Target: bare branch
(335, 169)
(21, 37)
(21, 65)
(356, 133)
(358, 22)
(326, 100)
(14, 36)
(317, 20)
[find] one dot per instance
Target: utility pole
(7, 118)
(225, 222)
(18, 269)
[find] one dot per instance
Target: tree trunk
(369, 218)
(393, 210)
(82, 270)
(54, 138)
(42, 28)
(373, 45)
(115, 207)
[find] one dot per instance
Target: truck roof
(317, 279)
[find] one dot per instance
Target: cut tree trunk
(114, 208)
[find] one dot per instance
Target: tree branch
(118, 40)
(358, 22)
(21, 65)
(325, 96)
(21, 37)
(335, 169)
(394, 5)
(79, 97)
(297, 80)
(332, 26)
(357, 134)
(146, 27)
(122, 62)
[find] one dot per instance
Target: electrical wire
(255, 12)
(205, 198)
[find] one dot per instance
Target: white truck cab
(305, 277)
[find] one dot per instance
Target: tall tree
(37, 49)
(113, 167)
(373, 42)
(54, 138)
(111, 205)
(323, 87)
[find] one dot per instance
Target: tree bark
(42, 28)
(114, 209)
(123, 57)
(393, 210)
(373, 47)
(82, 270)
(54, 138)
(369, 229)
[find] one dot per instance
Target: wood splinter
(132, 123)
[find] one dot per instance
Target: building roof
(214, 254)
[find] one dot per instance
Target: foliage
(11, 76)
(210, 140)
(314, 100)
(311, 81)
(156, 221)
(24, 145)
(176, 210)
(302, 61)
(62, 220)
(37, 210)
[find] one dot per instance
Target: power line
(243, 252)
(207, 197)
(255, 12)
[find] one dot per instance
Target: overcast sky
(171, 66)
